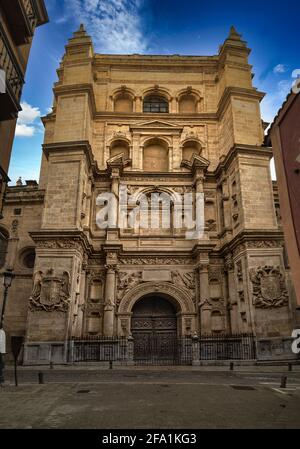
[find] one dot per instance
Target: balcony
(10, 100)
(22, 18)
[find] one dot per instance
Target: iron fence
(153, 350)
(227, 347)
(98, 349)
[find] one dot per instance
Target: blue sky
(155, 27)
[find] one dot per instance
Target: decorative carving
(179, 294)
(126, 281)
(215, 273)
(156, 261)
(205, 304)
(239, 271)
(186, 279)
(60, 244)
(183, 189)
(14, 229)
(264, 244)
(257, 244)
(269, 289)
(229, 262)
(50, 293)
(211, 225)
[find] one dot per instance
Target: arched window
(156, 156)
(187, 104)
(4, 236)
(156, 104)
(123, 103)
(119, 147)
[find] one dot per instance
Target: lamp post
(7, 280)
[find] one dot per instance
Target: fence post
(130, 350)
(71, 352)
(195, 350)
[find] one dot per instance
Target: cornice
(71, 89)
(68, 239)
(242, 149)
(124, 117)
(237, 91)
(64, 147)
(254, 235)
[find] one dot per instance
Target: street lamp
(7, 280)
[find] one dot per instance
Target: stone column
(205, 307)
(109, 308)
(232, 299)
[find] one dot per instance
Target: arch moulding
(176, 295)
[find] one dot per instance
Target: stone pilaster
(109, 324)
(109, 308)
(232, 299)
(205, 307)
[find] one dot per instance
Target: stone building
(168, 125)
(18, 22)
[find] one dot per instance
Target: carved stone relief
(269, 289)
(156, 261)
(126, 281)
(50, 293)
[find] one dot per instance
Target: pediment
(196, 161)
(156, 124)
(118, 160)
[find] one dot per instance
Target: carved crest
(269, 289)
(50, 293)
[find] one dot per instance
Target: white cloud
(280, 68)
(25, 131)
(26, 124)
(273, 101)
(115, 25)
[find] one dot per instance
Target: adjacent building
(284, 136)
(18, 22)
(136, 126)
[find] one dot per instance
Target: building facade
(138, 126)
(18, 22)
(284, 137)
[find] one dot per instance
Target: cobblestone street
(151, 398)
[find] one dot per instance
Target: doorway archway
(154, 330)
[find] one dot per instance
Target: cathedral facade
(135, 128)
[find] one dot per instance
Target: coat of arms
(269, 288)
(50, 293)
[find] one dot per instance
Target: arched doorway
(154, 330)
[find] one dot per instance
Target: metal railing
(98, 349)
(30, 13)
(227, 347)
(10, 65)
(156, 350)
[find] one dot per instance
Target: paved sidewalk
(157, 398)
